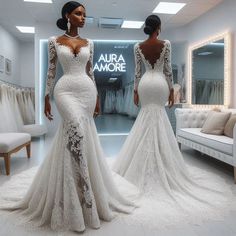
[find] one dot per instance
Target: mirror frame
(227, 70)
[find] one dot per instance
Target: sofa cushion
(229, 127)
(218, 142)
(9, 141)
(215, 122)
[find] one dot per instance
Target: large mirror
(209, 72)
(114, 75)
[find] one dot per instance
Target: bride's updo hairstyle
(152, 23)
(67, 9)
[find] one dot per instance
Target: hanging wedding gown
(151, 159)
(7, 111)
(119, 101)
(74, 186)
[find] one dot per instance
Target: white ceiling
(17, 12)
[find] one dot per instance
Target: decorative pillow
(215, 122)
(216, 109)
(229, 127)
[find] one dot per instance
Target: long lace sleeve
(52, 62)
(89, 66)
(138, 67)
(167, 69)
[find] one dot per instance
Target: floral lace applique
(52, 62)
(167, 69)
(74, 145)
(138, 67)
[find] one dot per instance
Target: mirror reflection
(208, 74)
(114, 74)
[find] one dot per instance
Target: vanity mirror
(209, 72)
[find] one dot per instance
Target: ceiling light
(112, 80)
(132, 24)
(26, 29)
(217, 44)
(39, 1)
(204, 53)
(168, 7)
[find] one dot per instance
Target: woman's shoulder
(53, 38)
(167, 42)
(137, 45)
(90, 43)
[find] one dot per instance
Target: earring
(68, 25)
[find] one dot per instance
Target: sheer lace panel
(89, 66)
(74, 145)
(138, 67)
(52, 62)
(167, 69)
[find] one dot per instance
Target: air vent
(110, 23)
(89, 20)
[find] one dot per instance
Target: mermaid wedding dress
(151, 159)
(74, 186)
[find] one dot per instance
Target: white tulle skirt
(151, 160)
(74, 186)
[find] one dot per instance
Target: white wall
(22, 56)
(9, 48)
(218, 20)
(27, 66)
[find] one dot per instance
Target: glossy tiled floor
(112, 145)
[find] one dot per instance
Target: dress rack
(16, 85)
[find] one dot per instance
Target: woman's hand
(171, 99)
(97, 108)
(47, 108)
(136, 98)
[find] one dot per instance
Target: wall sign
(110, 63)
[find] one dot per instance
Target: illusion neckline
(152, 66)
(72, 51)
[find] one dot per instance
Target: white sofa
(189, 122)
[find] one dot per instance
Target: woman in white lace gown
(150, 157)
(74, 186)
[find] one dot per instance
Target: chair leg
(7, 163)
(28, 149)
(234, 174)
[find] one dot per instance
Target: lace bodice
(162, 64)
(73, 64)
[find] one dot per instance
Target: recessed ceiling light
(26, 29)
(205, 53)
(168, 7)
(217, 44)
(112, 80)
(132, 24)
(39, 1)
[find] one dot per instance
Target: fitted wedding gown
(150, 157)
(74, 186)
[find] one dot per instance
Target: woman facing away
(150, 157)
(73, 187)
